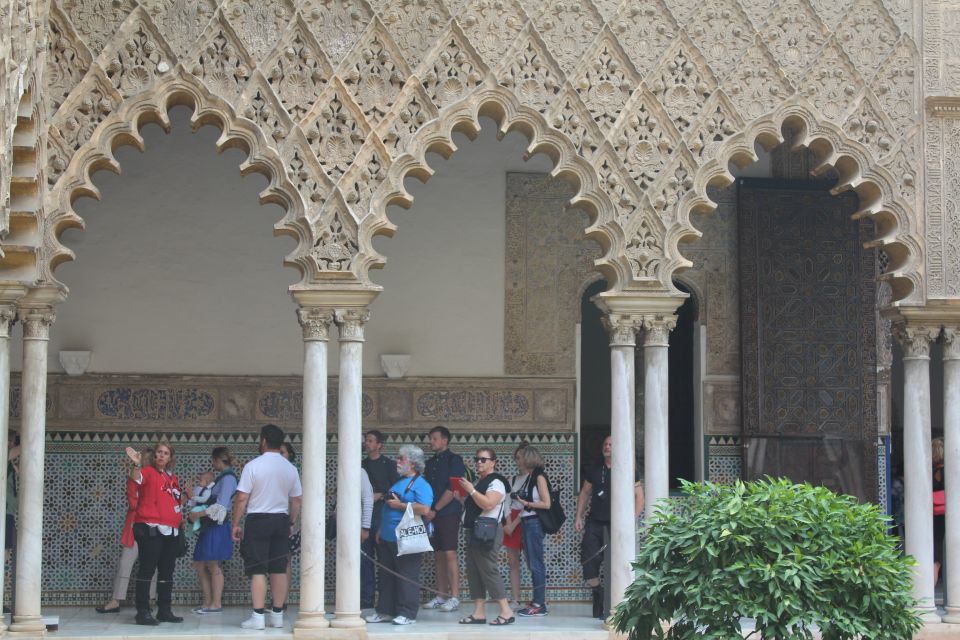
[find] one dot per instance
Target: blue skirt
(214, 543)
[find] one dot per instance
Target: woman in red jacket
(128, 546)
(156, 525)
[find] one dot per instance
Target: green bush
(789, 556)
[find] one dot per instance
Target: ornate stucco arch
(503, 107)
(858, 168)
(122, 127)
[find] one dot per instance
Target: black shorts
(266, 543)
(591, 548)
(446, 533)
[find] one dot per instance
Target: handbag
(412, 534)
(939, 502)
(551, 519)
(485, 531)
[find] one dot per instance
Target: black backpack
(551, 519)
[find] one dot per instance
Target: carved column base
(310, 622)
(952, 616)
(27, 626)
(347, 621)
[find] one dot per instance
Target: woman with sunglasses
(485, 500)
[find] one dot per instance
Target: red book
(456, 487)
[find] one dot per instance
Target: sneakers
(436, 603)
(255, 621)
(450, 605)
(275, 619)
(403, 620)
(374, 618)
(533, 610)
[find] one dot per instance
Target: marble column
(623, 532)
(656, 400)
(349, 451)
(315, 323)
(917, 464)
(7, 317)
(36, 334)
(951, 442)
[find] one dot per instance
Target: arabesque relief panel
(642, 103)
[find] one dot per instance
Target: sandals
(471, 620)
(500, 621)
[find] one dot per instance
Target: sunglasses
(480, 459)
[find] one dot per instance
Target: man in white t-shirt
(270, 494)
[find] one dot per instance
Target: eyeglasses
(480, 459)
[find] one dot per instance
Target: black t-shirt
(383, 474)
(440, 468)
(598, 475)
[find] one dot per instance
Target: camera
(514, 495)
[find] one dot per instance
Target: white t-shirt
(271, 481)
(495, 511)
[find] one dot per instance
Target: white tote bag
(412, 534)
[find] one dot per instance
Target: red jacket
(133, 497)
(159, 498)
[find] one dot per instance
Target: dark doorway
(681, 404)
(594, 376)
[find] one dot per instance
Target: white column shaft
(26, 615)
(656, 427)
(4, 424)
(313, 540)
(918, 483)
(951, 441)
(349, 450)
(623, 533)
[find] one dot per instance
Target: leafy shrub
(789, 556)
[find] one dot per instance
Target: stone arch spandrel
(71, 171)
(881, 197)
(505, 110)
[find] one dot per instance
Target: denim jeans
(532, 532)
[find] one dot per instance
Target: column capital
(8, 315)
(350, 322)
(36, 322)
(657, 328)
(951, 342)
(915, 339)
(622, 329)
(315, 322)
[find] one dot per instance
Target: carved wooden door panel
(808, 337)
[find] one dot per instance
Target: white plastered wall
(178, 271)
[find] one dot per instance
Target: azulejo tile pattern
(84, 506)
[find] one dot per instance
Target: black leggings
(156, 553)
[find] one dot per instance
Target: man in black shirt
(383, 474)
(445, 516)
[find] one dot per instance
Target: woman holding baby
(214, 544)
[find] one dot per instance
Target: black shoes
(598, 611)
(146, 618)
(166, 615)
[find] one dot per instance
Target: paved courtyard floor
(565, 622)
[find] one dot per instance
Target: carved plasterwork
(568, 27)
(259, 24)
(338, 23)
(180, 21)
(547, 265)
(67, 60)
(375, 72)
(645, 29)
(491, 23)
(715, 77)
(531, 72)
(298, 70)
(723, 32)
(943, 206)
(137, 57)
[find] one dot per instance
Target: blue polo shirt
(419, 492)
